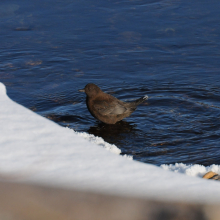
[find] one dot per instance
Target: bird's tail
(133, 105)
(140, 100)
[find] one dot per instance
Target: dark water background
(168, 49)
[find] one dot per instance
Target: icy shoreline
(190, 170)
(34, 149)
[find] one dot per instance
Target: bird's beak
(81, 90)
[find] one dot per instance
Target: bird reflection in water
(114, 133)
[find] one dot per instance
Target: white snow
(191, 170)
(35, 149)
(99, 141)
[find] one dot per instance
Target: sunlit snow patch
(191, 170)
(99, 141)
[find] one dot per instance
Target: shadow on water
(114, 134)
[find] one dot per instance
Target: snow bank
(99, 141)
(35, 149)
(191, 170)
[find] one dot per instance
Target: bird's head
(91, 90)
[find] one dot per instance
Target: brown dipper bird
(107, 108)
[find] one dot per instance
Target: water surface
(168, 50)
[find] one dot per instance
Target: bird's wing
(105, 108)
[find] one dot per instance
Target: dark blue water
(169, 50)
